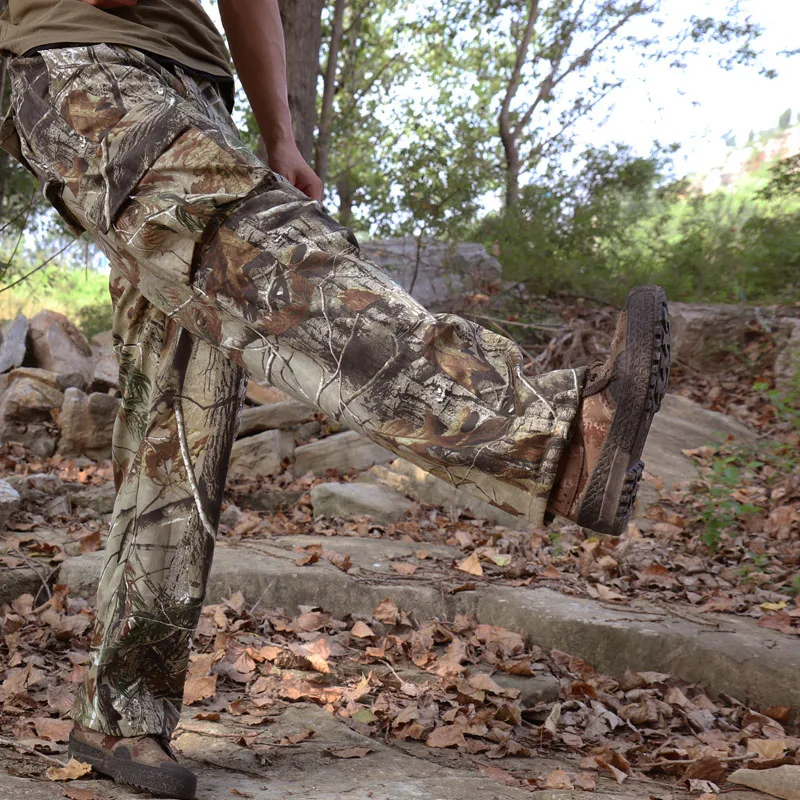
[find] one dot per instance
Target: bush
(614, 226)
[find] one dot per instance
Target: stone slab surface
(308, 772)
(406, 478)
(726, 654)
(262, 454)
(342, 452)
(349, 500)
(282, 414)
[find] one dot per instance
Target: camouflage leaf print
(220, 268)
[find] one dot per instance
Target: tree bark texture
(302, 29)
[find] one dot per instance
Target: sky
(697, 106)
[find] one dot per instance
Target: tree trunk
(326, 113)
(511, 152)
(346, 192)
(302, 29)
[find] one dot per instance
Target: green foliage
(615, 224)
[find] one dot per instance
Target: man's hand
(111, 3)
(255, 37)
(287, 161)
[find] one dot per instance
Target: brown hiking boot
(146, 762)
(599, 473)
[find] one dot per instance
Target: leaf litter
(432, 683)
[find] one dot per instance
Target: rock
(702, 333)
(787, 364)
(17, 581)
(340, 452)
(230, 516)
(38, 488)
(262, 454)
(408, 479)
(443, 271)
(9, 501)
(56, 344)
(12, 343)
(46, 376)
(533, 689)
(106, 365)
(680, 425)
(348, 500)
(283, 414)
(26, 406)
(272, 502)
(87, 423)
(99, 497)
(306, 431)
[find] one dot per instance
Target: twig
(666, 762)
(36, 269)
(534, 326)
(29, 561)
(26, 749)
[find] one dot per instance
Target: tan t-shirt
(178, 30)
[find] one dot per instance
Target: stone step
(724, 653)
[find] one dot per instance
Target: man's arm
(255, 38)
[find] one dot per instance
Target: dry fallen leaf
(768, 748)
(386, 612)
(783, 782)
(707, 768)
(557, 779)
(350, 752)
(446, 736)
(70, 772)
(470, 564)
(362, 631)
(298, 737)
(404, 568)
(53, 730)
(74, 793)
(199, 688)
(585, 781)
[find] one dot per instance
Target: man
(221, 266)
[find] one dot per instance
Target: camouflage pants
(219, 268)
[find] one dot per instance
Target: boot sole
(611, 494)
(169, 780)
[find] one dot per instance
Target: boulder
(57, 345)
(262, 454)
(9, 501)
(99, 497)
(25, 407)
(349, 500)
(106, 366)
(408, 479)
(701, 333)
(283, 414)
(439, 271)
(272, 502)
(87, 424)
(340, 452)
(12, 343)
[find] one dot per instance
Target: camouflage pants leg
(220, 267)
